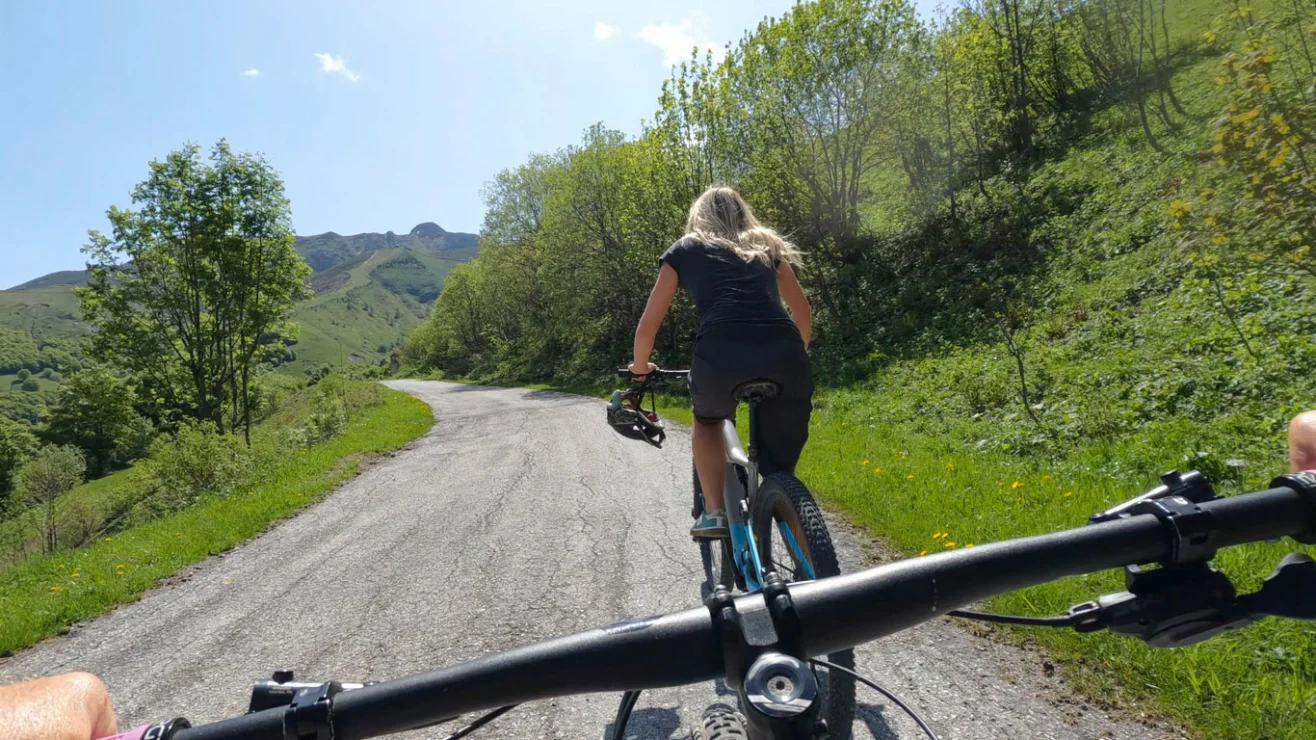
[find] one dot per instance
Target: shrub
(54, 470)
(328, 415)
(94, 412)
(17, 445)
(31, 385)
(195, 461)
(24, 374)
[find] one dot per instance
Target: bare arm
(1302, 442)
(791, 292)
(74, 706)
(660, 299)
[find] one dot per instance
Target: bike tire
(782, 497)
(720, 723)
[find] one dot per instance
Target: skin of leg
(1302, 442)
(710, 461)
(73, 706)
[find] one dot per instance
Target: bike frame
(737, 500)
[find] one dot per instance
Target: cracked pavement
(520, 516)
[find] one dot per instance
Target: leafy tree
(17, 444)
(52, 471)
(94, 412)
(183, 289)
(24, 374)
(31, 385)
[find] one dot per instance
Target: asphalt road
(518, 517)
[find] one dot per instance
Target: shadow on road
(650, 723)
(874, 717)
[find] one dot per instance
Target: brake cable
(879, 689)
(481, 722)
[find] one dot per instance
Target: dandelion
(922, 553)
(1016, 485)
(107, 539)
(909, 477)
(120, 565)
(1019, 500)
(950, 468)
(865, 462)
(877, 470)
(950, 544)
(1047, 477)
(968, 544)
(56, 589)
(75, 575)
(1068, 494)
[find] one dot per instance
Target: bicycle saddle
(756, 390)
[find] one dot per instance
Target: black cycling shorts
(728, 354)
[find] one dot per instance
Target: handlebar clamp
(310, 715)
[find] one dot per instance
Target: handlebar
(834, 614)
(657, 373)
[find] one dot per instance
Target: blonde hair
(720, 216)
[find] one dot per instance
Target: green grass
(45, 595)
(906, 488)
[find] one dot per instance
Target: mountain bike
(763, 643)
(774, 526)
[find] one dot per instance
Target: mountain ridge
(326, 250)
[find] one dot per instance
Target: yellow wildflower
(865, 462)
(877, 470)
(968, 544)
(922, 553)
(950, 467)
(950, 544)
(56, 589)
(909, 477)
(1016, 485)
(1047, 477)
(107, 539)
(1068, 494)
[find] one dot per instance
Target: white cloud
(603, 31)
(336, 66)
(253, 72)
(677, 39)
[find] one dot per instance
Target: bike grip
(159, 731)
(136, 733)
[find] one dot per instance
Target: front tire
(720, 723)
(783, 500)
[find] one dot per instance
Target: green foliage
(39, 597)
(94, 411)
(186, 287)
(24, 374)
(53, 470)
(328, 415)
(17, 444)
(195, 461)
(30, 385)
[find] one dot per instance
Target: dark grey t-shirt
(725, 287)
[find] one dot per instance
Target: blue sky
(378, 115)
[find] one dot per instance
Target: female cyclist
(738, 272)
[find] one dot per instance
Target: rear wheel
(784, 504)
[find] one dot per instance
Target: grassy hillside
(364, 308)
(364, 305)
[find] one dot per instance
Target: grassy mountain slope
(370, 290)
(363, 309)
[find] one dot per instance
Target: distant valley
(370, 290)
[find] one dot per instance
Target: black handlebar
(658, 373)
(836, 613)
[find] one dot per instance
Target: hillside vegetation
(1053, 250)
(370, 291)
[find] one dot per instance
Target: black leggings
(728, 354)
